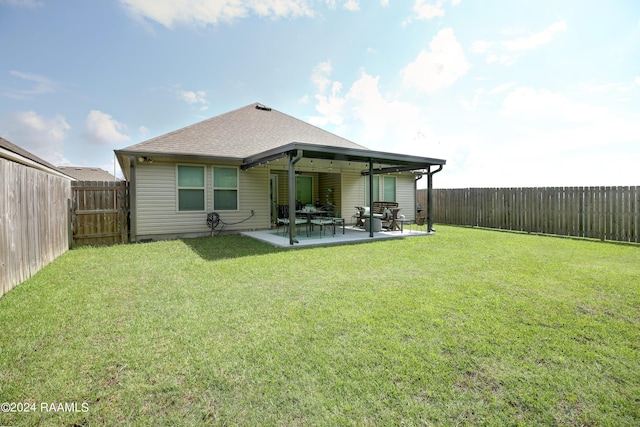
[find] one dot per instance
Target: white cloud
(352, 5)
(638, 80)
(366, 116)
(535, 40)
(426, 11)
(102, 128)
(620, 88)
(330, 104)
(502, 88)
(507, 52)
(320, 76)
(535, 105)
(211, 12)
(22, 3)
(37, 134)
(545, 138)
(40, 85)
(331, 4)
(484, 94)
(198, 98)
(481, 46)
(438, 68)
(554, 124)
(385, 124)
(143, 132)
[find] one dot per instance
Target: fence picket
(606, 213)
(99, 212)
(33, 228)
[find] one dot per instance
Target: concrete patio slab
(351, 235)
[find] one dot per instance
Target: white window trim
(178, 188)
(214, 188)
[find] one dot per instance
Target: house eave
(177, 156)
(125, 157)
(388, 162)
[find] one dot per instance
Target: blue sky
(510, 93)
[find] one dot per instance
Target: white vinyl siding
(156, 202)
(406, 195)
(353, 193)
(353, 184)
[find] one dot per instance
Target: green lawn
(465, 327)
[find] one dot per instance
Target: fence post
(70, 221)
(605, 213)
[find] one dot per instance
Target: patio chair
(323, 223)
(283, 219)
(336, 222)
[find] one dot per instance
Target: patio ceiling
(351, 158)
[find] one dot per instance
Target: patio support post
(430, 197)
(370, 197)
(294, 157)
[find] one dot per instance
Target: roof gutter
(189, 157)
(7, 154)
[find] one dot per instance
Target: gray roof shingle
(87, 173)
(240, 133)
(24, 153)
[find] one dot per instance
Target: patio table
(403, 222)
(310, 213)
(394, 220)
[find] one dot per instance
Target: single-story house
(247, 163)
(83, 173)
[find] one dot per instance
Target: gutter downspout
(294, 157)
(133, 204)
(430, 197)
(415, 195)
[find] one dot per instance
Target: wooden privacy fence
(99, 213)
(606, 213)
(33, 224)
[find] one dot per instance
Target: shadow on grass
(237, 246)
(229, 246)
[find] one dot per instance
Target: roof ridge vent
(262, 107)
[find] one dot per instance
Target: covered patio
(297, 157)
